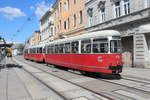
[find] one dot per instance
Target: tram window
(115, 46)
(61, 46)
(100, 46)
(104, 47)
(75, 46)
(52, 49)
(95, 48)
(49, 50)
(67, 48)
(40, 50)
(56, 49)
(26, 51)
(44, 50)
(34, 50)
(86, 46)
(29, 50)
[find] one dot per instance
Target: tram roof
(42, 45)
(102, 34)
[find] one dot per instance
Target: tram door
(127, 51)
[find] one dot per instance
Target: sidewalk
(16, 84)
(11, 87)
(140, 73)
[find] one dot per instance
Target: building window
(52, 31)
(126, 7)
(60, 24)
(90, 21)
(102, 14)
(148, 3)
(74, 1)
(74, 20)
(90, 15)
(81, 17)
(65, 6)
(117, 9)
(57, 28)
(65, 25)
(60, 7)
(68, 23)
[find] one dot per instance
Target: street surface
(36, 81)
(16, 84)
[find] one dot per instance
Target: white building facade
(132, 19)
(47, 27)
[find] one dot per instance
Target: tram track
(136, 79)
(63, 97)
(107, 98)
(133, 87)
(104, 80)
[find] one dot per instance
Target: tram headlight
(117, 63)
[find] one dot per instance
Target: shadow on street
(104, 76)
(11, 66)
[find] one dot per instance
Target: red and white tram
(35, 53)
(98, 51)
(93, 52)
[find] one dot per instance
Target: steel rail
(104, 80)
(110, 98)
(62, 96)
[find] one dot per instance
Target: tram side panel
(101, 63)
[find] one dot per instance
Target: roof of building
(49, 11)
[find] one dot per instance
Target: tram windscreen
(115, 46)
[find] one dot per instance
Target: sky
(20, 18)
